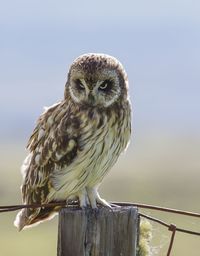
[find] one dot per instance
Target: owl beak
(91, 99)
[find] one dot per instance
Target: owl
(77, 140)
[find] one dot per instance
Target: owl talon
(103, 202)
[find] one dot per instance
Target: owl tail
(21, 219)
(25, 220)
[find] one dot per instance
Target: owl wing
(52, 143)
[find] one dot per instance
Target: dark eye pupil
(79, 84)
(106, 85)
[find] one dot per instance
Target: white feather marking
(54, 145)
(71, 145)
(76, 99)
(25, 165)
(37, 159)
(41, 133)
(58, 156)
(50, 120)
(52, 106)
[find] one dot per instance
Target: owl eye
(79, 85)
(106, 85)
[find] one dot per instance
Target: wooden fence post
(100, 232)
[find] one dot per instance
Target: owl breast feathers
(77, 140)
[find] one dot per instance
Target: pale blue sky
(157, 41)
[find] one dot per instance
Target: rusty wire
(159, 208)
(171, 227)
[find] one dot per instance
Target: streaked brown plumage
(77, 140)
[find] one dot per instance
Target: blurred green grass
(158, 169)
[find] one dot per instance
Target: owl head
(96, 80)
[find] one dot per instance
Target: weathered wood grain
(101, 232)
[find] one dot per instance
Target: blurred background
(158, 42)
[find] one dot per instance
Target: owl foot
(90, 197)
(95, 198)
(83, 199)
